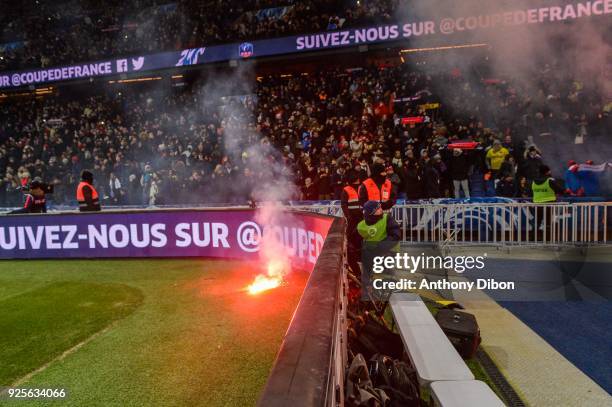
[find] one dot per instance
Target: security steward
(86, 194)
(35, 200)
(378, 188)
(349, 202)
(381, 235)
(545, 189)
(376, 225)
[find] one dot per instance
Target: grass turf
(169, 332)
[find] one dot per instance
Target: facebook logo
(122, 65)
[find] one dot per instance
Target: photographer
(35, 200)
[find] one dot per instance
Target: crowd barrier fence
(502, 223)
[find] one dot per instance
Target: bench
(470, 393)
(435, 359)
(432, 354)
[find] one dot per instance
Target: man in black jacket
(459, 168)
(431, 177)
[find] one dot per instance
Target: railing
(504, 223)
(512, 223)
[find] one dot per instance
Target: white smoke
(559, 57)
(274, 179)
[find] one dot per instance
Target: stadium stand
(154, 146)
(43, 34)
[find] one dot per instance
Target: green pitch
(140, 332)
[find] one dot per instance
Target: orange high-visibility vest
(353, 197)
(375, 194)
(81, 197)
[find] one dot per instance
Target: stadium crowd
(44, 34)
(170, 146)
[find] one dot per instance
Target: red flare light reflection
(271, 279)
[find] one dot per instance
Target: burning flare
(269, 280)
(263, 283)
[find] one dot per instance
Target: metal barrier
(504, 223)
(512, 223)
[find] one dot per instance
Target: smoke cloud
(543, 62)
(272, 180)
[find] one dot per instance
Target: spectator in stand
(505, 187)
(324, 181)
(459, 168)
(338, 180)
(523, 190)
(394, 178)
(116, 193)
(310, 191)
(496, 156)
(412, 186)
(508, 168)
(182, 142)
(146, 181)
(530, 168)
(134, 190)
(512, 148)
(432, 177)
(90, 33)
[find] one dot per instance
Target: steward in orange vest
(378, 188)
(86, 194)
(349, 199)
(349, 202)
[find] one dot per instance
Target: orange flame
(269, 280)
(263, 283)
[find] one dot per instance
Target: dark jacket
(459, 167)
(530, 168)
(32, 205)
(505, 188)
(431, 178)
(337, 183)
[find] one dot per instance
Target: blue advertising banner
(435, 27)
(183, 233)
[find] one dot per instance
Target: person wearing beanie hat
(349, 202)
(349, 199)
(378, 188)
(376, 225)
(86, 194)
